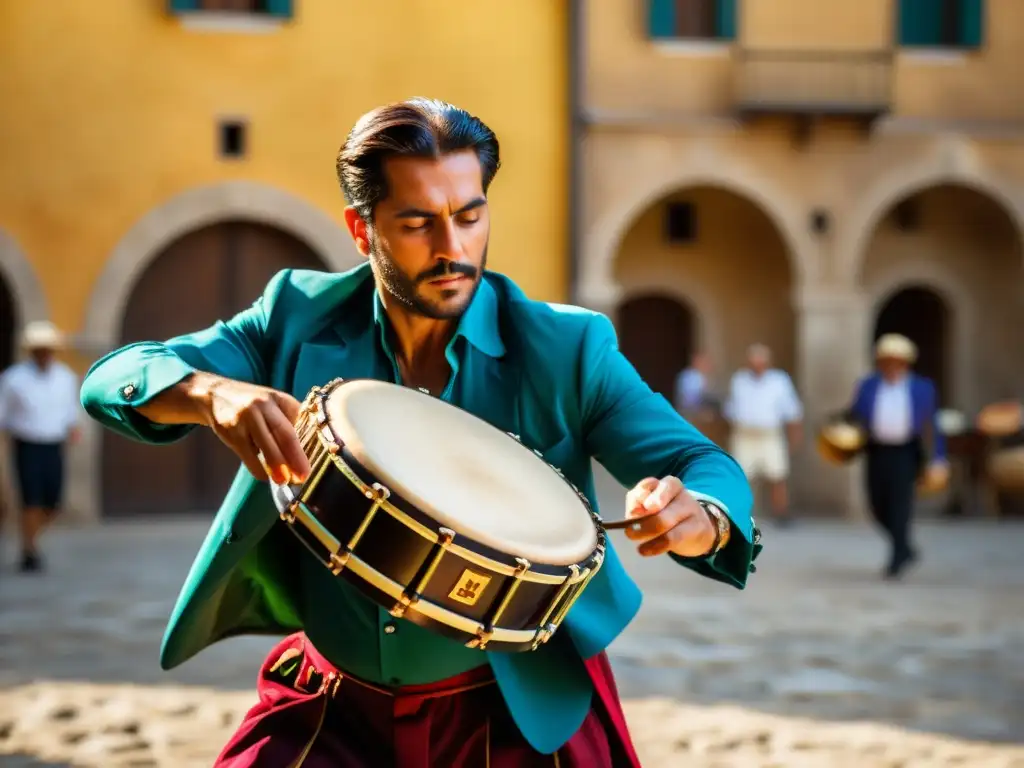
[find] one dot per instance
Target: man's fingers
(639, 493)
(289, 406)
(654, 525)
(274, 463)
(282, 430)
(663, 494)
(689, 529)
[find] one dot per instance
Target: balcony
(855, 84)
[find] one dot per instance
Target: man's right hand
(250, 419)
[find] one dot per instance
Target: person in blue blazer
(898, 410)
(350, 684)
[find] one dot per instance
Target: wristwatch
(722, 526)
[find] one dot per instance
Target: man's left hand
(669, 519)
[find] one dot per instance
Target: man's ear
(359, 229)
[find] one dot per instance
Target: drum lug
(378, 493)
(483, 637)
(288, 513)
(338, 561)
(543, 635)
(515, 437)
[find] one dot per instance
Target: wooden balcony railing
(854, 83)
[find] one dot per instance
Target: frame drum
(439, 517)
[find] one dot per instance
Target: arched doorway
(658, 335)
(8, 318)
(922, 316)
(206, 275)
(725, 251)
(965, 243)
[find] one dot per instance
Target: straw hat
(41, 335)
(896, 347)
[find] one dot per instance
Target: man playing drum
(353, 686)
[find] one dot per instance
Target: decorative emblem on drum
(469, 587)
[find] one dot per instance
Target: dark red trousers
(309, 715)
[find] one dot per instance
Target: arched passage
(205, 275)
(725, 251)
(965, 242)
(922, 315)
(658, 334)
(8, 321)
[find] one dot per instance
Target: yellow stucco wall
(630, 75)
(111, 107)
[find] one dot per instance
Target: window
(231, 135)
(281, 8)
(941, 23)
(680, 223)
(692, 19)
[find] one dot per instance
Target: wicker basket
(1001, 419)
(1006, 469)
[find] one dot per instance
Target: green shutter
(972, 23)
(920, 23)
(183, 6)
(661, 18)
(281, 8)
(726, 20)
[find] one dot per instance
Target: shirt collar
(478, 324)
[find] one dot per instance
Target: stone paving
(817, 663)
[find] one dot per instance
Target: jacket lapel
(321, 361)
(488, 387)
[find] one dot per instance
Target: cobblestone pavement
(817, 663)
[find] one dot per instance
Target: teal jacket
(549, 373)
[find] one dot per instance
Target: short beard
(403, 287)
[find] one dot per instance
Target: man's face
(892, 369)
(758, 362)
(42, 357)
(428, 241)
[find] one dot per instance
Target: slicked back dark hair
(415, 128)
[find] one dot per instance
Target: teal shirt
(348, 628)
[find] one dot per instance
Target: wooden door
(656, 334)
(207, 275)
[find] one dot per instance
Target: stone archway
(958, 168)
(24, 292)
(966, 246)
(734, 257)
(188, 211)
(613, 216)
(22, 300)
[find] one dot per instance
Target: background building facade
(160, 160)
(807, 174)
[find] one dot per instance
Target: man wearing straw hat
(898, 410)
(39, 410)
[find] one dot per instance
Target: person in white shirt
(39, 411)
(766, 417)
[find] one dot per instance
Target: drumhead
(466, 474)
